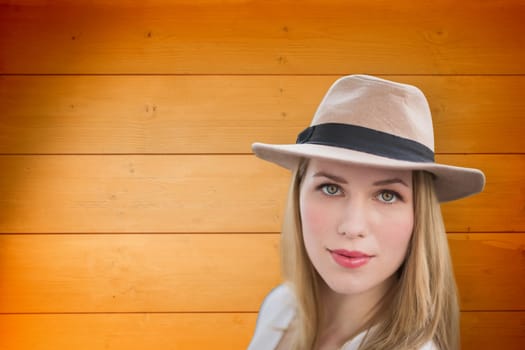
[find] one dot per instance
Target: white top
(275, 315)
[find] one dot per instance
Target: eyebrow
(390, 181)
(343, 181)
(331, 177)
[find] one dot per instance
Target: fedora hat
(378, 123)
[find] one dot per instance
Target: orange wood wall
(132, 213)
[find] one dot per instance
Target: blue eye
(388, 197)
(330, 189)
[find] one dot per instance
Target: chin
(340, 286)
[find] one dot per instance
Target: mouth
(350, 259)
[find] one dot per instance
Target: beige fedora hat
(375, 122)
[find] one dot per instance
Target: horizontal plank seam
(264, 74)
(493, 311)
(216, 154)
(208, 233)
(131, 233)
(197, 312)
(126, 312)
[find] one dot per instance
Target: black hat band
(366, 140)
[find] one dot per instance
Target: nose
(353, 219)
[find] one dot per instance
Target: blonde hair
(421, 306)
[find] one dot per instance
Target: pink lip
(350, 259)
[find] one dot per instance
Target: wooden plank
(225, 114)
(492, 330)
(137, 273)
(226, 331)
(239, 37)
(207, 272)
(500, 206)
(488, 269)
(151, 193)
(480, 330)
(189, 193)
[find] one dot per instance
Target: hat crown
(394, 108)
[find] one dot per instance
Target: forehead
(316, 165)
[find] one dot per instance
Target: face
(357, 222)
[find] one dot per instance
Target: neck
(344, 316)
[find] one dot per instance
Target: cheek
(315, 221)
(315, 217)
(396, 233)
(311, 218)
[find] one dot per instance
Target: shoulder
(279, 299)
(281, 293)
(430, 345)
(276, 312)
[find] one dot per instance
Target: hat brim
(451, 182)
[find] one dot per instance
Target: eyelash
(323, 187)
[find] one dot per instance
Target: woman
(364, 250)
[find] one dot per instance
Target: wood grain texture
(206, 272)
(501, 206)
(137, 117)
(239, 37)
(137, 273)
(488, 270)
(204, 193)
(167, 331)
(141, 194)
(226, 114)
(492, 330)
(480, 330)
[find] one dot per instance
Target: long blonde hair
(421, 306)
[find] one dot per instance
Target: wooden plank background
(132, 213)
